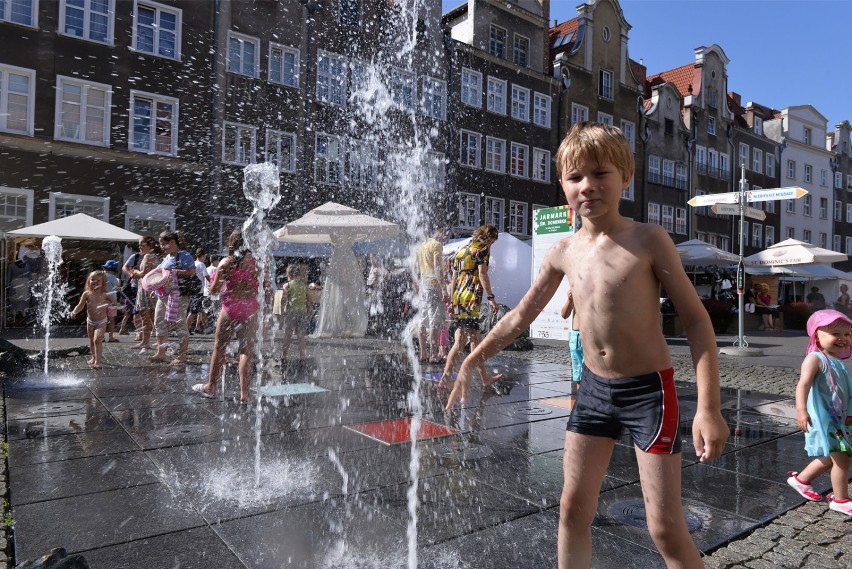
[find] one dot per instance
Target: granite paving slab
(70, 446)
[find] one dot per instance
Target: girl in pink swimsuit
(237, 276)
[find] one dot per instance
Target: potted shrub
(721, 314)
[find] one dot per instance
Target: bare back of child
(616, 267)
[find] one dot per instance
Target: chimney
(736, 97)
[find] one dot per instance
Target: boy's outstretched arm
(512, 324)
(709, 429)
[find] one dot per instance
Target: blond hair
(595, 143)
(95, 275)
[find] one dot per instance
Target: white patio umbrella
(793, 252)
(698, 252)
(343, 308)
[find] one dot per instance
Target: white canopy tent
(793, 252)
(698, 252)
(510, 268)
(343, 309)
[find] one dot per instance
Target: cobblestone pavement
(809, 536)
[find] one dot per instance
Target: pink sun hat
(822, 318)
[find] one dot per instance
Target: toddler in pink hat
(823, 398)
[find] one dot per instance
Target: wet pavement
(130, 468)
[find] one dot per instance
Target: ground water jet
(52, 295)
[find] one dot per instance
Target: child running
(294, 308)
(823, 397)
(96, 302)
(616, 267)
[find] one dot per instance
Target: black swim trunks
(645, 405)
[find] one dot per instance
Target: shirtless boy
(616, 267)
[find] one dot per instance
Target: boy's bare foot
(90, 361)
(492, 379)
(157, 358)
(96, 366)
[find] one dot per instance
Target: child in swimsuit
(616, 267)
(294, 308)
(96, 302)
(237, 277)
(823, 398)
(575, 344)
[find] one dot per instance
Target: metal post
(741, 341)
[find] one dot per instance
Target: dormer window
(806, 135)
(758, 126)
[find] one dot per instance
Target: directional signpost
(734, 203)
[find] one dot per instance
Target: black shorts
(196, 304)
(646, 405)
(467, 323)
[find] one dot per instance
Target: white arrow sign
(791, 193)
(734, 209)
(710, 199)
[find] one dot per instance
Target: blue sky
(783, 52)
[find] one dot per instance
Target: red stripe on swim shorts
(665, 440)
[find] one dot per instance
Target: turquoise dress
(828, 407)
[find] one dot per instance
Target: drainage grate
(178, 432)
(632, 513)
(59, 407)
(459, 451)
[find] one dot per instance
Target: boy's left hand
(709, 433)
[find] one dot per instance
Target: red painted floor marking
(396, 431)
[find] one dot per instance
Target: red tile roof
(639, 70)
(681, 77)
(565, 28)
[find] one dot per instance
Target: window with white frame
(468, 210)
(361, 166)
(243, 54)
(521, 51)
(402, 88)
(238, 143)
(328, 160)
(63, 205)
(331, 78)
(757, 160)
(743, 156)
(605, 84)
(17, 99)
(807, 236)
(809, 173)
(520, 103)
(435, 170)
(496, 97)
(654, 169)
(471, 88)
(791, 206)
(711, 125)
(668, 218)
(541, 165)
(791, 233)
(768, 206)
(157, 29)
(757, 234)
(541, 110)
(605, 118)
(519, 160)
(16, 208)
(19, 11)
(654, 213)
(838, 180)
(627, 193)
(518, 217)
(770, 165)
(769, 235)
(149, 218)
(823, 240)
(680, 221)
(281, 149)
(361, 75)
(835, 243)
(807, 202)
(629, 130)
(680, 176)
(283, 65)
(806, 135)
(849, 213)
(791, 169)
(758, 126)
(713, 162)
(494, 212)
(497, 41)
(823, 208)
(82, 111)
(495, 154)
(469, 149)
(153, 123)
(91, 20)
(823, 178)
(838, 210)
(849, 245)
(724, 165)
(435, 98)
(701, 159)
(579, 113)
(668, 173)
